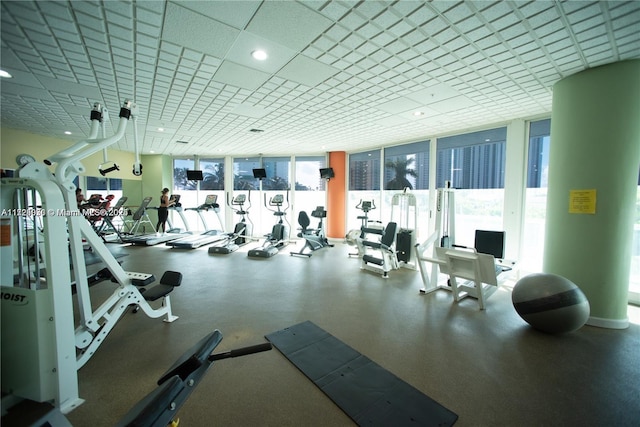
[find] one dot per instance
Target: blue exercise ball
(550, 303)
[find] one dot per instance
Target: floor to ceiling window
(277, 181)
(535, 197)
(187, 189)
(310, 188)
(244, 182)
(634, 278)
(474, 164)
(364, 185)
(407, 167)
(213, 184)
(103, 186)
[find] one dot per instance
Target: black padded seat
(169, 280)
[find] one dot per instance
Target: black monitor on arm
(490, 242)
(194, 175)
(259, 173)
(326, 173)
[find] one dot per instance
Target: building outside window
(310, 189)
(474, 163)
(277, 182)
(364, 184)
(535, 197)
(407, 167)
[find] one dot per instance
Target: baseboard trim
(608, 323)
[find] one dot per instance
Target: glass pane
(96, 184)
(213, 173)
(310, 189)
(477, 210)
(474, 160)
(364, 171)
(355, 215)
(180, 167)
(308, 173)
(243, 173)
(115, 184)
(407, 166)
(535, 197)
(277, 173)
(474, 164)
(634, 278)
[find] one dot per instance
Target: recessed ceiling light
(487, 140)
(66, 132)
(418, 113)
(5, 74)
(260, 55)
(160, 129)
(151, 151)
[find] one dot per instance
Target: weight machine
(404, 212)
(442, 236)
(43, 347)
(472, 272)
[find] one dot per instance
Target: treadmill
(152, 239)
(208, 237)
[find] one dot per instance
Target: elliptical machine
(315, 238)
(279, 236)
(243, 229)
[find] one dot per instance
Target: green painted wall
(157, 173)
(595, 134)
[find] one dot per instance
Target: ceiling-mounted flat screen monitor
(259, 173)
(490, 242)
(194, 175)
(326, 173)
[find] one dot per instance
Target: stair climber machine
(242, 231)
(44, 343)
(314, 238)
(279, 236)
(209, 237)
(141, 217)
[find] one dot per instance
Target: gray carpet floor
(489, 367)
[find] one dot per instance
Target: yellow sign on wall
(582, 201)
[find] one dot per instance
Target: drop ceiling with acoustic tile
(339, 75)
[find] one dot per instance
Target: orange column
(337, 195)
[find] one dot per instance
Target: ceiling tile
(204, 34)
(240, 76)
(287, 23)
(307, 71)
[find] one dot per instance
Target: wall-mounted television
(194, 175)
(490, 242)
(259, 173)
(326, 173)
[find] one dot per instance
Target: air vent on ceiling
(256, 130)
(182, 142)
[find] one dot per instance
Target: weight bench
(169, 281)
(159, 407)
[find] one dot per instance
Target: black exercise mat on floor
(365, 391)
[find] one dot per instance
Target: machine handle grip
(241, 351)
